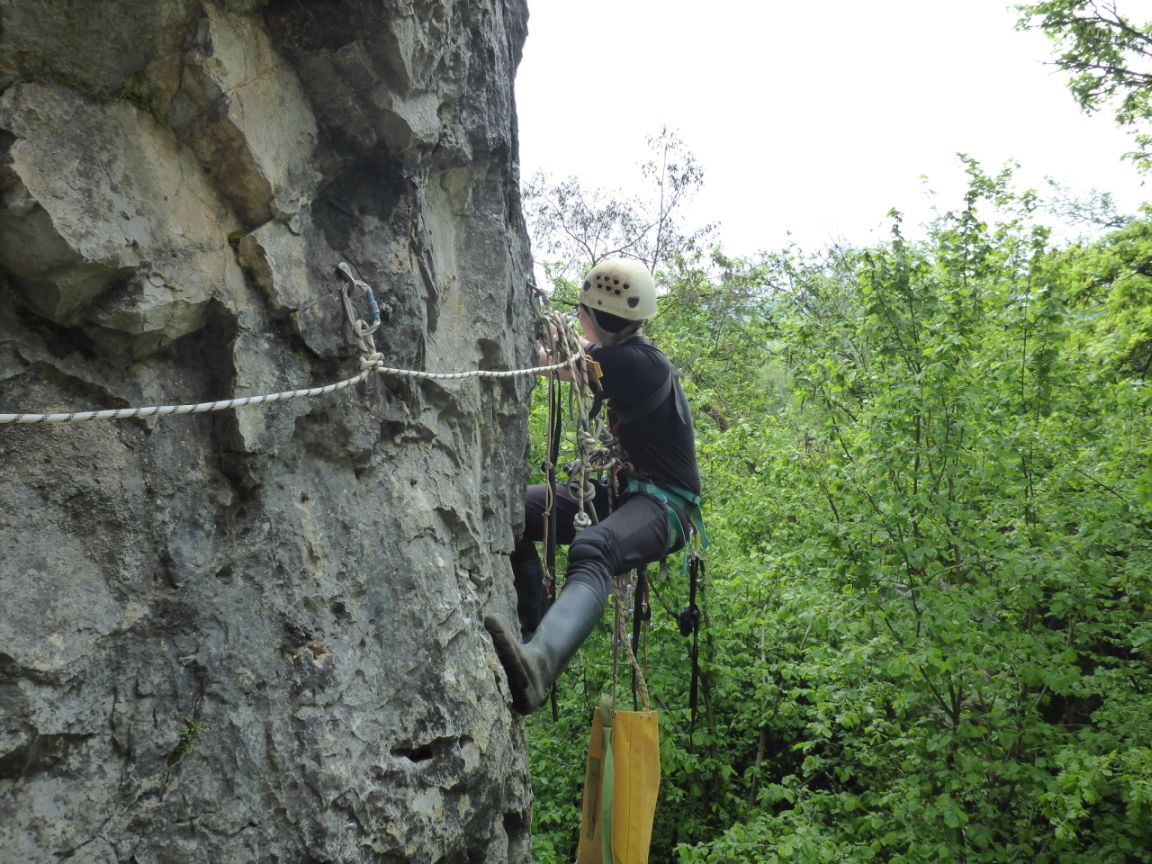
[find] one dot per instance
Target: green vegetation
(189, 740)
(928, 479)
(1109, 56)
(145, 96)
(929, 470)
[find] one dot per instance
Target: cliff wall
(254, 635)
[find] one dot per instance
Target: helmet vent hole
(587, 284)
(633, 302)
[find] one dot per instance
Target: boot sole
(520, 684)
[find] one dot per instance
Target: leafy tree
(952, 611)
(1110, 57)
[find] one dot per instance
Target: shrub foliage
(928, 470)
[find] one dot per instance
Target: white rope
(457, 376)
(371, 362)
(245, 401)
(167, 410)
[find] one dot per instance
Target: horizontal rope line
(476, 373)
(370, 364)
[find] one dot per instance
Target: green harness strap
(686, 500)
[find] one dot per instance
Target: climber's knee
(593, 558)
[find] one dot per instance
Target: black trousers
(635, 532)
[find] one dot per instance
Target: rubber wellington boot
(533, 667)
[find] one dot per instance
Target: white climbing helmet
(622, 287)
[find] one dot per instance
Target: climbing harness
(371, 361)
(676, 500)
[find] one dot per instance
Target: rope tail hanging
(627, 595)
(555, 417)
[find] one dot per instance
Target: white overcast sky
(812, 117)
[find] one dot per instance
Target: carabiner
(373, 306)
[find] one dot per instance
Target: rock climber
(658, 501)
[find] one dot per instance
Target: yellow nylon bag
(621, 783)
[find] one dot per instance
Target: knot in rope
(371, 361)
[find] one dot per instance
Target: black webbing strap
(650, 403)
(689, 622)
(641, 409)
(556, 411)
(641, 612)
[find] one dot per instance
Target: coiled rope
(371, 361)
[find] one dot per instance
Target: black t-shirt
(661, 445)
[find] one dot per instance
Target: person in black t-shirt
(654, 513)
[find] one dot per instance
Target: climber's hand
(544, 358)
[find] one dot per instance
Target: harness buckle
(687, 620)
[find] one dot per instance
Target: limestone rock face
(254, 635)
